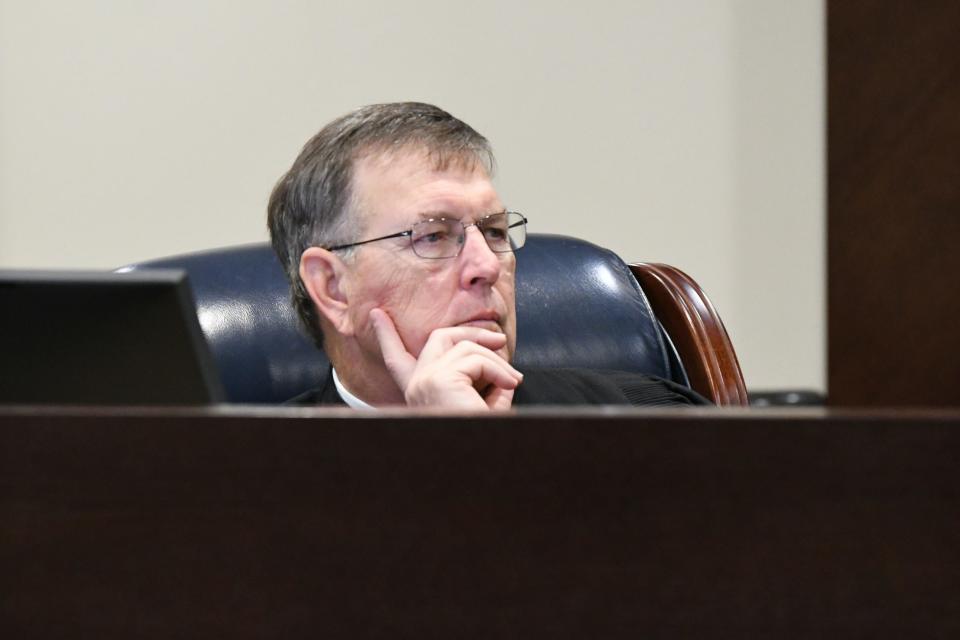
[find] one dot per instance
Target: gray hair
(312, 204)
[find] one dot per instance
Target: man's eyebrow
(428, 215)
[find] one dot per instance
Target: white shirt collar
(351, 400)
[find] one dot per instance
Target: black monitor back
(102, 338)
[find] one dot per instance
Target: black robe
(565, 387)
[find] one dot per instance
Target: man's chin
(506, 351)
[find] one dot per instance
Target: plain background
(683, 131)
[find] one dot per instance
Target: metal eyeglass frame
(479, 224)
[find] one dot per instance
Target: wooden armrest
(697, 332)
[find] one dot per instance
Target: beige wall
(689, 132)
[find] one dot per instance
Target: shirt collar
(352, 401)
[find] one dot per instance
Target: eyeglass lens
(443, 238)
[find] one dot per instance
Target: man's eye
(436, 236)
(432, 235)
(495, 233)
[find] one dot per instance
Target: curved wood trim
(696, 330)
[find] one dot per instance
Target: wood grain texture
(894, 202)
(587, 524)
(697, 331)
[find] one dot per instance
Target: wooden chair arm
(696, 330)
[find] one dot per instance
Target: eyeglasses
(444, 237)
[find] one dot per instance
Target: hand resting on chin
(457, 367)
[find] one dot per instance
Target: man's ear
(325, 277)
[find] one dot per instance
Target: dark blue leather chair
(578, 305)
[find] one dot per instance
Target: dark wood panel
(894, 202)
(684, 524)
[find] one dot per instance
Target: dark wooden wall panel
(893, 202)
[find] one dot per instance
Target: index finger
(441, 340)
(395, 355)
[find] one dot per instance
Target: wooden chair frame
(698, 334)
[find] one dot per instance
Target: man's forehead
(418, 158)
(414, 181)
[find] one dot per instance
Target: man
(400, 257)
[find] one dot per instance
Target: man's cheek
(415, 326)
(400, 309)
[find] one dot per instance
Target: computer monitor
(83, 337)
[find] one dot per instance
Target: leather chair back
(578, 305)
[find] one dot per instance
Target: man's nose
(479, 263)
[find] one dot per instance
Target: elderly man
(400, 257)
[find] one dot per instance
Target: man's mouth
(489, 325)
(489, 321)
